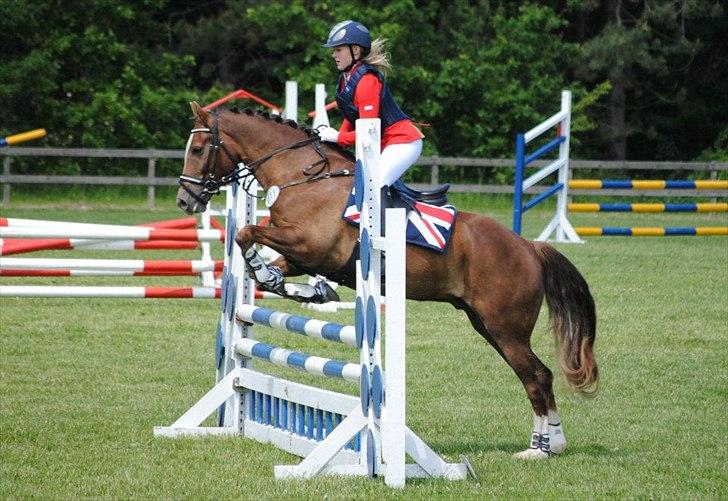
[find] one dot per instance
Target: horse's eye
(196, 150)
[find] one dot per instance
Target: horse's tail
(573, 318)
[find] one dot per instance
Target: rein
(211, 186)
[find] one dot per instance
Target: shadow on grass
(454, 449)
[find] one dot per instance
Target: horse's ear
(199, 113)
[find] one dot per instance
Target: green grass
(89, 196)
(83, 381)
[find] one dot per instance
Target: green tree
(93, 73)
(652, 52)
(474, 74)
(119, 73)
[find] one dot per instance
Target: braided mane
(292, 124)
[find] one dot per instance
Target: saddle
(429, 221)
(402, 195)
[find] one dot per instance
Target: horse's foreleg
(270, 277)
(286, 267)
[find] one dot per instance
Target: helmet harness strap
(354, 60)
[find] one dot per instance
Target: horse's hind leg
(537, 379)
(512, 342)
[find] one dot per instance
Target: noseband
(211, 186)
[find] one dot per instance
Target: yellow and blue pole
(22, 137)
(593, 231)
(600, 184)
(649, 207)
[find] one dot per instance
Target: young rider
(362, 92)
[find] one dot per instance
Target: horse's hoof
(532, 454)
(324, 293)
(539, 448)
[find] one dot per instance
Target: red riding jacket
(366, 98)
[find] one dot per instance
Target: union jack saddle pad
(428, 226)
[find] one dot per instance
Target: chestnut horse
(496, 277)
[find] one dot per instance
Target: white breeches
(397, 158)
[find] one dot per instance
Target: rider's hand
(327, 133)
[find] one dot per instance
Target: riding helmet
(349, 33)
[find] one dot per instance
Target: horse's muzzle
(189, 204)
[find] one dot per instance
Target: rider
(362, 92)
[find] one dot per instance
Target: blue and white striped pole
(293, 323)
(296, 360)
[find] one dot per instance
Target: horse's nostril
(183, 205)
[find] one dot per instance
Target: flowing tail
(573, 318)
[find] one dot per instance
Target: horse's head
(208, 162)
(233, 145)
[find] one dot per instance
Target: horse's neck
(256, 138)
(263, 138)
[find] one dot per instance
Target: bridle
(246, 172)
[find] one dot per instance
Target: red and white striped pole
(120, 233)
(20, 246)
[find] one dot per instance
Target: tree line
(648, 76)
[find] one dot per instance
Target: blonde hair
(377, 56)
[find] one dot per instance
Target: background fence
(707, 170)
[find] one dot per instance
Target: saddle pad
(428, 226)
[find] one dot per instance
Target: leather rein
(211, 186)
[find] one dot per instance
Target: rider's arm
(345, 128)
(366, 99)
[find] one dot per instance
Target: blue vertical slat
(518, 183)
(261, 398)
(268, 413)
(284, 414)
(319, 425)
(329, 423)
(301, 419)
(251, 405)
(309, 423)
(276, 412)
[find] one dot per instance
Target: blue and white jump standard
(335, 433)
(559, 224)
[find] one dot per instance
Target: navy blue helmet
(349, 33)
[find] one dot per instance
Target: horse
(496, 277)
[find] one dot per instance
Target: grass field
(83, 381)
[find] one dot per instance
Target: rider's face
(342, 56)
